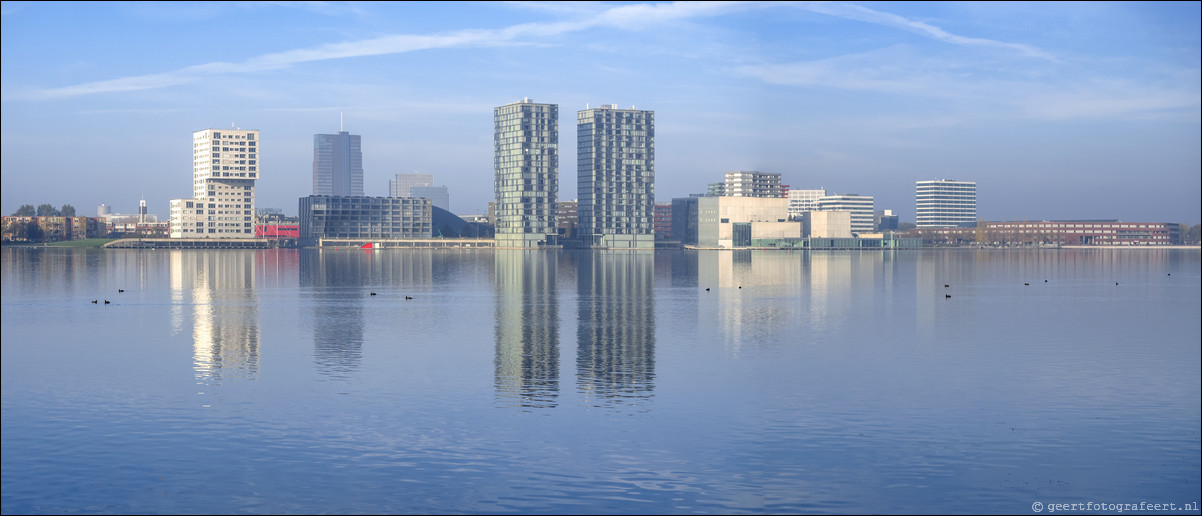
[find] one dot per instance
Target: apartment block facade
(225, 166)
(526, 167)
(616, 177)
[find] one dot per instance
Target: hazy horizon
(1055, 110)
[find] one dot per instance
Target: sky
(1076, 110)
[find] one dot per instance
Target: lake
(481, 381)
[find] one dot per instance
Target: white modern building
(526, 167)
(752, 184)
(860, 206)
(225, 165)
(945, 203)
(616, 177)
(802, 201)
(728, 222)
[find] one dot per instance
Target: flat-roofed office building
(945, 203)
(860, 206)
(363, 218)
(337, 164)
(752, 184)
(802, 201)
(526, 167)
(616, 177)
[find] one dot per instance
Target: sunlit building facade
(225, 165)
(860, 206)
(616, 177)
(945, 203)
(526, 167)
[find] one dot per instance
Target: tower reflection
(527, 328)
(225, 330)
(615, 355)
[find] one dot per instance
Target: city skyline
(1056, 111)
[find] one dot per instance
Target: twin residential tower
(615, 175)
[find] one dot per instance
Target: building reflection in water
(527, 328)
(220, 287)
(615, 354)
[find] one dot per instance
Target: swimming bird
(106, 301)
(1045, 281)
(373, 293)
(946, 296)
(94, 301)
(1027, 284)
(945, 285)
(120, 290)
(407, 297)
(707, 289)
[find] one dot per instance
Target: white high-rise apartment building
(225, 165)
(945, 203)
(802, 201)
(752, 184)
(860, 206)
(616, 177)
(526, 166)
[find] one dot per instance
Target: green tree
(48, 210)
(27, 231)
(26, 210)
(68, 210)
(1193, 235)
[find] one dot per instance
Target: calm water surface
(274, 381)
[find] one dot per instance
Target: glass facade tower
(616, 177)
(337, 164)
(526, 166)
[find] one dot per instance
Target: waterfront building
(402, 184)
(1062, 232)
(752, 184)
(526, 167)
(616, 177)
(802, 201)
(437, 194)
(685, 219)
(663, 220)
(337, 164)
(225, 166)
(364, 218)
(828, 224)
(860, 206)
(734, 221)
(945, 203)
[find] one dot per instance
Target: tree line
(44, 210)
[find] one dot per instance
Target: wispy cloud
(864, 14)
(629, 17)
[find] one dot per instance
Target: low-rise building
(359, 218)
(731, 221)
(1063, 232)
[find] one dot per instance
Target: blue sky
(1056, 110)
